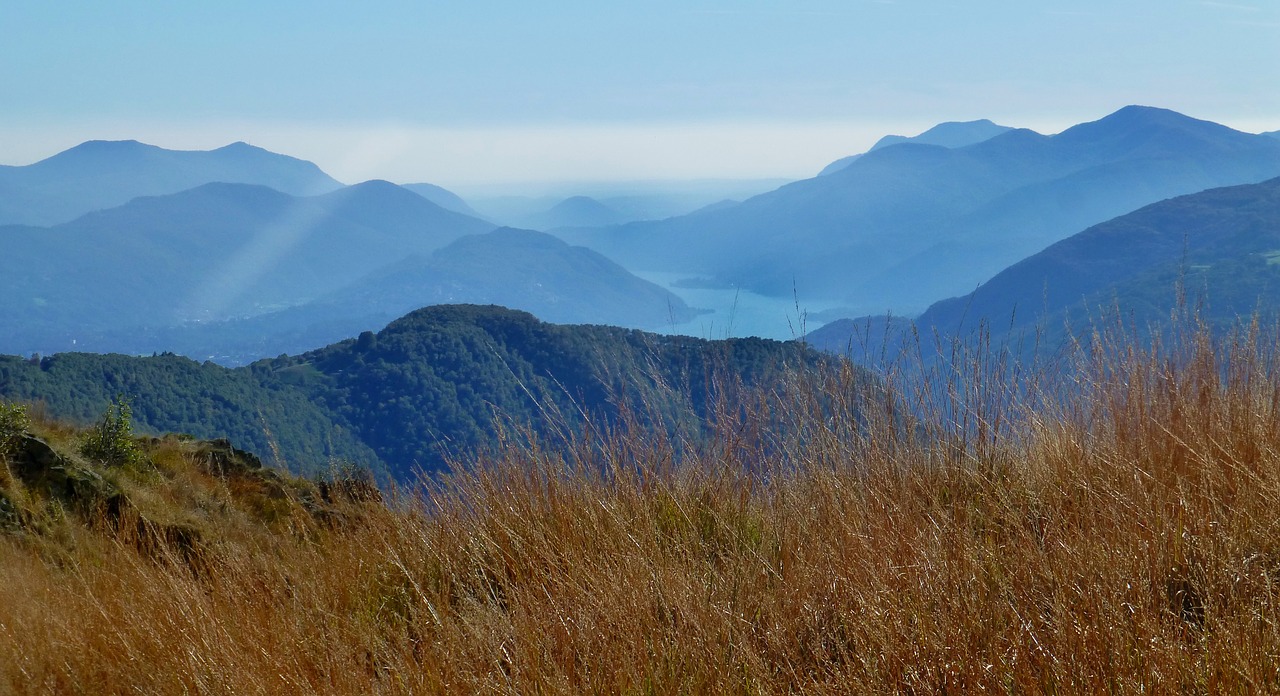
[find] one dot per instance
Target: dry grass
(1113, 527)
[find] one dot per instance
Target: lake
(737, 312)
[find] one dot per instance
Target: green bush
(13, 425)
(111, 440)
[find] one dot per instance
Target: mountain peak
(374, 185)
(379, 189)
(949, 134)
(1154, 132)
(240, 146)
(1143, 109)
(582, 204)
(1136, 118)
(103, 148)
(391, 203)
(1139, 114)
(108, 144)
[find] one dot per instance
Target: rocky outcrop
(45, 472)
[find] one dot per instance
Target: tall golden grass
(1110, 525)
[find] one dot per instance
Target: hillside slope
(427, 386)
(214, 252)
(443, 197)
(1218, 248)
(1107, 531)
(519, 269)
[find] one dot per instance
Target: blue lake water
(737, 313)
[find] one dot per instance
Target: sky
(495, 93)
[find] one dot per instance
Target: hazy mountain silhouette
(549, 212)
(951, 134)
(718, 205)
(1221, 246)
(616, 203)
(444, 198)
(104, 174)
(909, 223)
(216, 251)
(520, 269)
(578, 211)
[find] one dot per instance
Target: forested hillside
(429, 385)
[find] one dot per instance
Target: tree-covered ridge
(169, 393)
(442, 373)
(428, 385)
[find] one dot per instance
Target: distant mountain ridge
(1221, 247)
(101, 174)
(444, 198)
(236, 272)
(549, 212)
(579, 211)
(212, 252)
(616, 203)
(951, 134)
(518, 269)
(909, 223)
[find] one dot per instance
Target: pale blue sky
(483, 91)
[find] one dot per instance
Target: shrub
(14, 422)
(111, 440)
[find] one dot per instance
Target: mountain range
(209, 270)
(1217, 252)
(238, 270)
(950, 134)
(607, 204)
(909, 223)
(105, 174)
(214, 252)
(518, 269)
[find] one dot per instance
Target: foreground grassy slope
(1117, 528)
